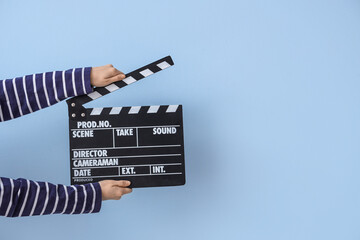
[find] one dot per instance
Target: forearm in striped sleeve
(27, 94)
(22, 197)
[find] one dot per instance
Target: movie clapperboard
(142, 144)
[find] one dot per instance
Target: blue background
(270, 91)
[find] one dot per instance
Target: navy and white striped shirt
(27, 94)
(22, 197)
(23, 95)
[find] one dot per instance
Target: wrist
(98, 196)
(87, 80)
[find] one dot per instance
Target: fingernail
(122, 75)
(128, 182)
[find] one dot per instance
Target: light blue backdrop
(271, 97)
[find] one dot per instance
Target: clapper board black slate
(143, 144)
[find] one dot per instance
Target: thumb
(122, 183)
(116, 78)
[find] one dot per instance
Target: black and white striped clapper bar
(142, 144)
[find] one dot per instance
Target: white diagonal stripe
(172, 108)
(11, 197)
(76, 199)
(26, 197)
(26, 96)
(45, 89)
(163, 65)
(17, 97)
(83, 79)
(153, 109)
(64, 83)
(66, 199)
(56, 199)
(85, 197)
(36, 198)
(7, 100)
(112, 87)
(129, 80)
(1, 115)
(96, 111)
(94, 95)
(46, 199)
(115, 110)
(35, 91)
(2, 191)
(19, 192)
(73, 81)
(54, 86)
(94, 198)
(146, 72)
(134, 110)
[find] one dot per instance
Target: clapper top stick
(143, 144)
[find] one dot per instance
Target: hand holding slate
(105, 75)
(114, 189)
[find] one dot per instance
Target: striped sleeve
(27, 94)
(21, 197)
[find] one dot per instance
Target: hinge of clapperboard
(75, 104)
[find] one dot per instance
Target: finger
(116, 78)
(122, 183)
(126, 190)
